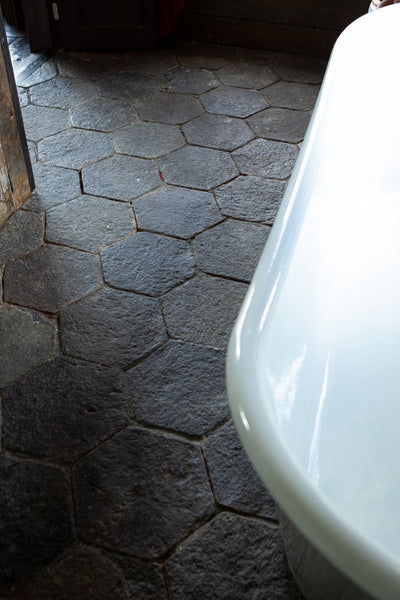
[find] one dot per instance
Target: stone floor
(158, 177)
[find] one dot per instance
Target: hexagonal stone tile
(299, 96)
(51, 277)
(203, 310)
(247, 75)
(103, 114)
(169, 108)
(86, 65)
(232, 558)
(141, 492)
(40, 121)
(83, 403)
(36, 518)
(121, 177)
(74, 148)
(148, 61)
(22, 233)
(143, 580)
(180, 387)
(235, 482)
(28, 339)
(127, 86)
(233, 101)
(147, 263)
(89, 223)
(302, 69)
(62, 92)
(112, 327)
(251, 198)
(263, 57)
(189, 81)
(196, 167)
(44, 73)
(176, 211)
(208, 56)
(148, 140)
(23, 97)
(266, 159)
(217, 131)
(231, 249)
(54, 185)
(280, 124)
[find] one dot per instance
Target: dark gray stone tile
(41, 121)
(148, 140)
(207, 56)
(302, 69)
(217, 131)
(141, 492)
(74, 148)
(148, 61)
(23, 97)
(27, 340)
(143, 580)
(251, 198)
(54, 185)
(86, 65)
(232, 558)
(89, 223)
(36, 518)
(121, 177)
(180, 387)
(103, 114)
(50, 277)
(263, 57)
(247, 75)
(62, 92)
(127, 86)
(63, 409)
(196, 167)
(22, 233)
(169, 108)
(187, 80)
(231, 249)
(299, 96)
(203, 310)
(235, 482)
(176, 211)
(280, 124)
(266, 159)
(112, 327)
(44, 73)
(148, 263)
(233, 101)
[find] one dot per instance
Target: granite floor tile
(302, 69)
(217, 131)
(299, 96)
(281, 124)
(206, 56)
(46, 72)
(86, 66)
(143, 580)
(266, 158)
(22, 233)
(187, 80)
(103, 114)
(147, 140)
(169, 108)
(233, 101)
(74, 148)
(247, 75)
(41, 121)
(148, 61)
(62, 92)
(54, 185)
(127, 86)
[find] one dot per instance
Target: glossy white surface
(314, 359)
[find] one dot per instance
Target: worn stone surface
(147, 61)
(231, 249)
(232, 558)
(217, 131)
(121, 178)
(112, 327)
(141, 492)
(74, 148)
(86, 65)
(40, 121)
(62, 92)
(54, 185)
(299, 96)
(302, 69)
(251, 198)
(143, 580)
(63, 409)
(266, 159)
(44, 73)
(22, 233)
(247, 75)
(235, 482)
(169, 108)
(189, 81)
(180, 387)
(127, 86)
(176, 211)
(147, 263)
(195, 167)
(27, 339)
(23, 97)
(89, 223)
(233, 101)
(203, 310)
(280, 124)
(36, 518)
(206, 56)
(103, 114)
(50, 277)
(148, 140)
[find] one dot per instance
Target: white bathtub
(313, 364)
